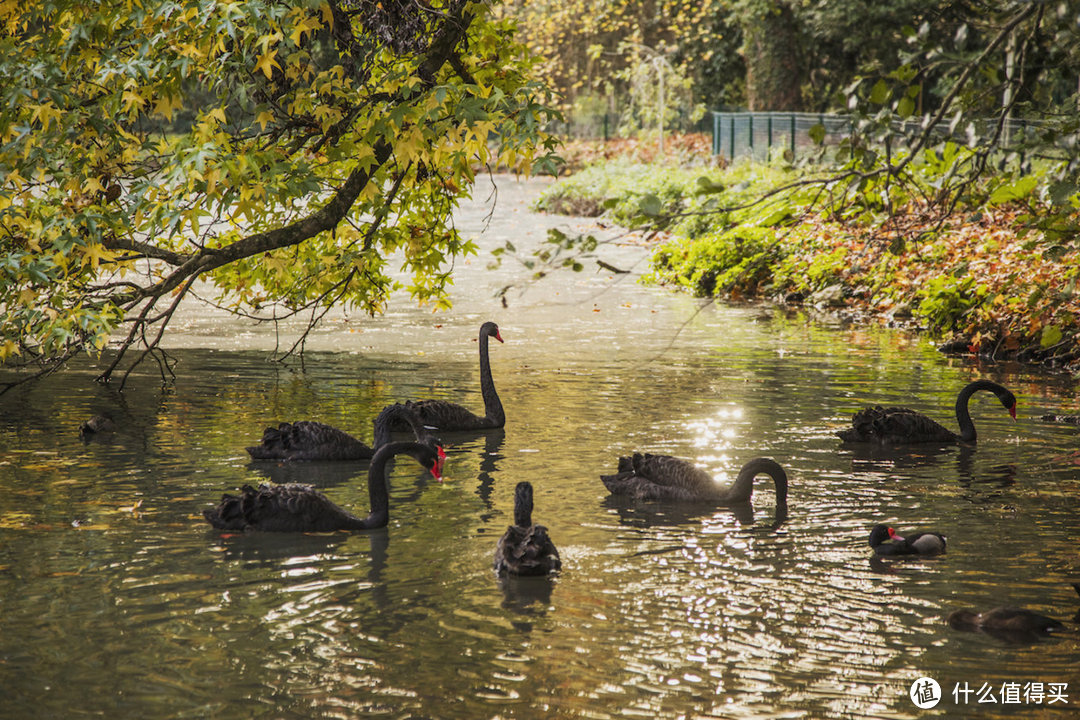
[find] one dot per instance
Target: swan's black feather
(310, 440)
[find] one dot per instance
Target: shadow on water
(319, 474)
(271, 548)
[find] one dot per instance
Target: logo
(925, 693)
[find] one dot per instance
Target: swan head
(491, 329)
(433, 457)
(1008, 400)
(882, 534)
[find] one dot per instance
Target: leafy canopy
(277, 152)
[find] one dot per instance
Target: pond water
(119, 601)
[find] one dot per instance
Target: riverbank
(991, 279)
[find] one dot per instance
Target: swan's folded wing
(447, 416)
(894, 425)
(308, 440)
(526, 551)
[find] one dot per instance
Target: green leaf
(906, 107)
(1051, 335)
(650, 205)
(817, 133)
(879, 93)
(1015, 190)
(706, 185)
(1061, 192)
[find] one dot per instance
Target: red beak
(498, 336)
(1012, 411)
(436, 469)
(893, 535)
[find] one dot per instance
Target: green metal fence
(756, 134)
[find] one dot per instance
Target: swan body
(1008, 623)
(96, 425)
(302, 508)
(1004, 620)
(448, 416)
(309, 440)
(662, 477)
(901, 426)
(525, 549)
(885, 541)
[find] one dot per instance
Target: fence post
(750, 118)
(768, 149)
(715, 134)
(793, 137)
(731, 138)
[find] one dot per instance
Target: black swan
(309, 440)
(899, 426)
(96, 425)
(525, 549)
(1004, 620)
(886, 542)
(448, 416)
(662, 477)
(302, 508)
(1008, 623)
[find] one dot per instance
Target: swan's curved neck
(386, 418)
(493, 409)
(743, 487)
(378, 489)
(963, 415)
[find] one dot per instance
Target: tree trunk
(773, 73)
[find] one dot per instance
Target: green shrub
(944, 300)
(735, 260)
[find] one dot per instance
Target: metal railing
(756, 134)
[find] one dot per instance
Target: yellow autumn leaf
(167, 104)
(96, 253)
(211, 177)
(132, 100)
(8, 349)
(92, 185)
(267, 63)
(264, 118)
